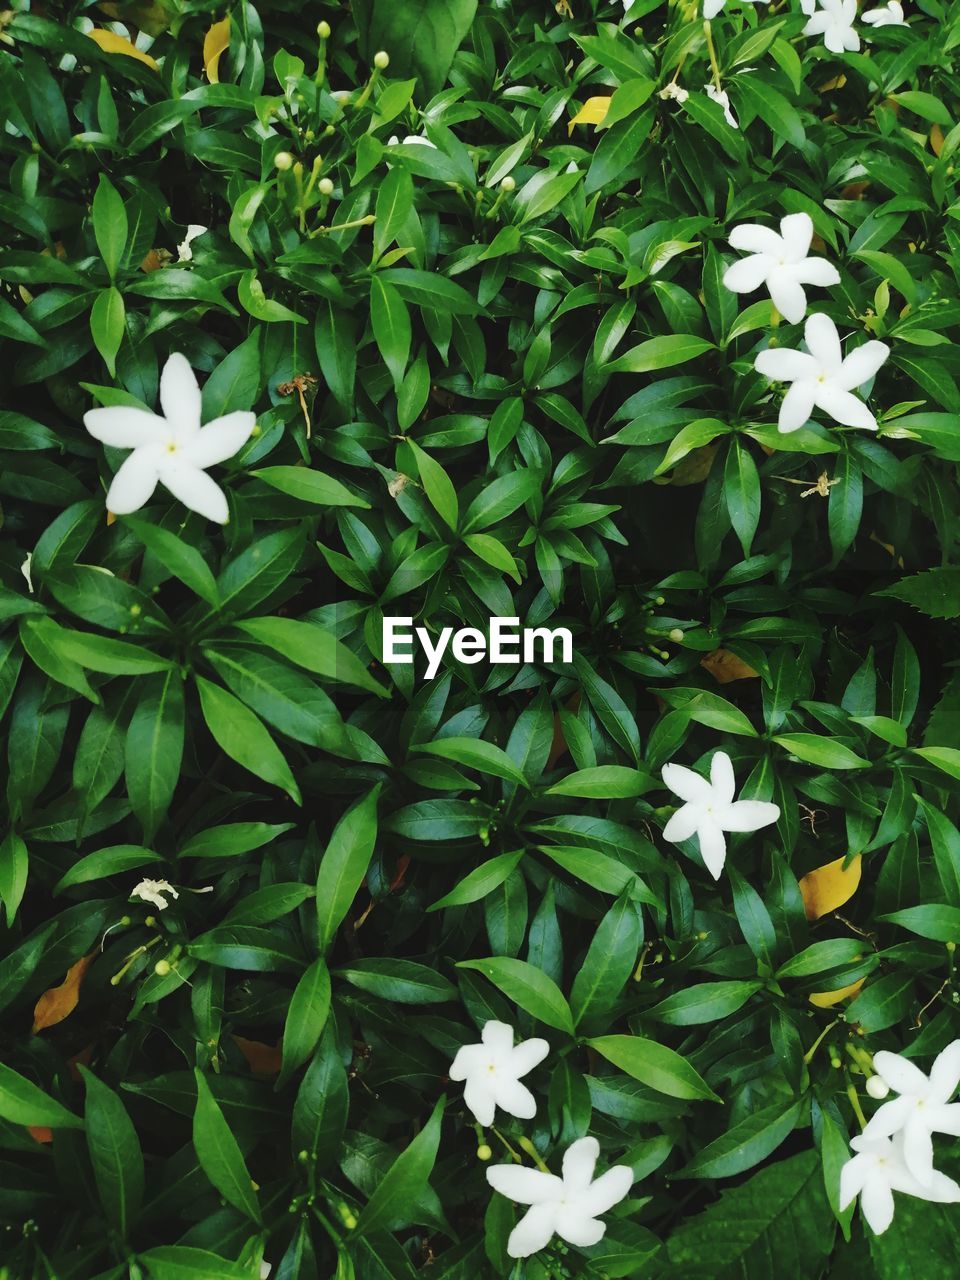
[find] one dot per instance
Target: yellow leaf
(725, 666)
(827, 999)
(829, 887)
(59, 1002)
(936, 139)
(215, 42)
(593, 111)
(110, 42)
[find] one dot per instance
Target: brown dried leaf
(264, 1060)
(59, 1002)
(725, 666)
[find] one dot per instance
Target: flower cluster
(895, 1150)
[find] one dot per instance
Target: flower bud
(323, 30)
(283, 161)
(508, 184)
(877, 1088)
(381, 60)
(325, 187)
(484, 1152)
(162, 968)
(676, 635)
(659, 600)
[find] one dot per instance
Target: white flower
(891, 15)
(710, 809)
(569, 1207)
(153, 891)
(183, 248)
(834, 21)
(674, 91)
(824, 378)
(876, 1171)
(712, 7)
(923, 1108)
(413, 139)
(492, 1071)
(174, 450)
(720, 96)
(265, 1269)
(780, 262)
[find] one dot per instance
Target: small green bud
(162, 968)
(484, 1152)
(508, 184)
(323, 30)
(676, 635)
(659, 600)
(951, 947)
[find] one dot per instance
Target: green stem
(714, 65)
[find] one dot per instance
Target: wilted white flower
(822, 377)
(153, 891)
(183, 248)
(891, 15)
(877, 1170)
(492, 1071)
(569, 1207)
(922, 1109)
(174, 450)
(26, 571)
(674, 91)
(709, 809)
(834, 21)
(780, 262)
(720, 96)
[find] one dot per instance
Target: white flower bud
(325, 187)
(381, 60)
(283, 161)
(877, 1088)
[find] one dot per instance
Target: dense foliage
(496, 372)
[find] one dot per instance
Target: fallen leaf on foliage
(110, 42)
(853, 190)
(936, 140)
(836, 83)
(593, 111)
(154, 260)
(828, 887)
(827, 999)
(725, 666)
(262, 1059)
(215, 43)
(59, 1002)
(40, 1133)
(695, 467)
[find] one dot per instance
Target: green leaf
(437, 485)
(946, 759)
(232, 839)
(935, 592)
(109, 225)
(320, 1107)
(399, 981)
(309, 486)
(177, 556)
(741, 492)
(710, 709)
(242, 735)
(603, 782)
(619, 147)
(183, 1262)
(421, 35)
(405, 1180)
(14, 867)
(114, 1153)
(475, 753)
(527, 987)
(831, 953)
(218, 1154)
(22, 1102)
(476, 884)
(610, 960)
(703, 1002)
(654, 1065)
(660, 353)
(391, 327)
(933, 921)
(945, 839)
(746, 1143)
(306, 1018)
(814, 748)
(344, 864)
(312, 648)
(154, 749)
(106, 862)
(499, 499)
(108, 318)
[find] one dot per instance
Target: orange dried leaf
(827, 999)
(263, 1059)
(110, 42)
(725, 666)
(828, 887)
(40, 1133)
(594, 111)
(59, 1002)
(152, 262)
(215, 44)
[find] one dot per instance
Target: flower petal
(944, 1119)
(681, 825)
(918, 1149)
(123, 427)
(609, 1189)
(876, 1201)
(180, 396)
(197, 491)
(686, 784)
(796, 231)
(134, 483)
(533, 1232)
(722, 781)
(797, 406)
(817, 271)
(891, 1117)
(525, 1056)
(861, 365)
(712, 7)
(469, 1057)
(579, 1162)
(747, 815)
(780, 364)
(579, 1230)
(750, 237)
(852, 1177)
(787, 294)
(843, 406)
(713, 847)
(479, 1099)
(220, 439)
(823, 341)
(497, 1036)
(524, 1186)
(513, 1097)
(900, 1074)
(747, 274)
(945, 1073)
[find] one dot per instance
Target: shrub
(473, 269)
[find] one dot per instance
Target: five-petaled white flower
(569, 1207)
(709, 809)
(780, 262)
(822, 377)
(153, 891)
(174, 450)
(722, 98)
(923, 1108)
(833, 20)
(876, 1171)
(891, 15)
(492, 1071)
